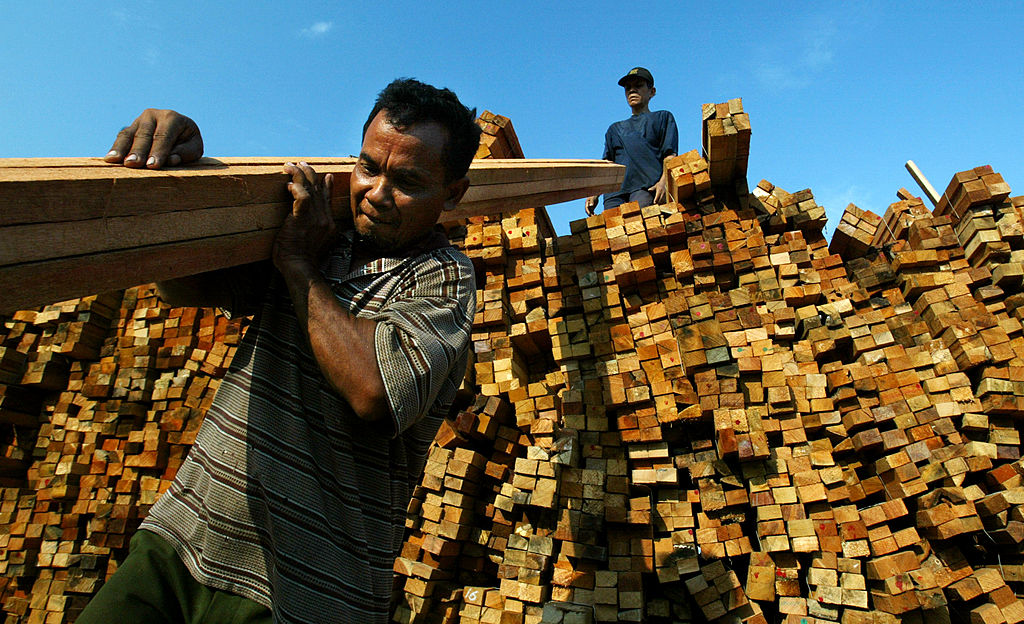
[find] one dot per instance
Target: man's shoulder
(437, 244)
(461, 267)
(453, 267)
(434, 245)
(621, 127)
(451, 254)
(631, 121)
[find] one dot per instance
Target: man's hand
(660, 190)
(591, 204)
(157, 138)
(308, 231)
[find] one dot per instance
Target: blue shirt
(641, 143)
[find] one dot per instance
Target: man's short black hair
(409, 101)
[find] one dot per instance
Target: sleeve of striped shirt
(423, 333)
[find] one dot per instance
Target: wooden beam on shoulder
(71, 227)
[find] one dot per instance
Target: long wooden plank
(58, 194)
(487, 192)
(74, 227)
(123, 218)
(90, 188)
(30, 284)
(38, 283)
(37, 241)
(502, 205)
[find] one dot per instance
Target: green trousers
(153, 586)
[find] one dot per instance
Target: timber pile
(701, 411)
(725, 136)
(100, 399)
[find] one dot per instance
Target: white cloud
(839, 198)
(835, 199)
(318, 29)
(792, 67)
(819, 52)
(780, 77)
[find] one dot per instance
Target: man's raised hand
(309, 229)
(157, 138)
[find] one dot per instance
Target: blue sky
(840, 95)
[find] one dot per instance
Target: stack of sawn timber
(100, 400)
(687, 412)
(733, 423)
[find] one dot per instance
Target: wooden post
(923, 182)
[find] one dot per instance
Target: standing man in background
(641, 143)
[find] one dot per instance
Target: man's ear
(454, 192)
(653, 91)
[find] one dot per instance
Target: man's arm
(342, 343)
(609, 155)
(660, 188)
(669, 148)
(157, 138)
(393, 365)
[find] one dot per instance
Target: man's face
(638, 92)
(397, 189)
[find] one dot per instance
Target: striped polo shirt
(287, 497)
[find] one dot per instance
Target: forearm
(343, 344)
(660, 188)
(664, 166)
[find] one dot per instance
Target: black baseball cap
(639, 72)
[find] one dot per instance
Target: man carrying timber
(641, 143)
(291, 504)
